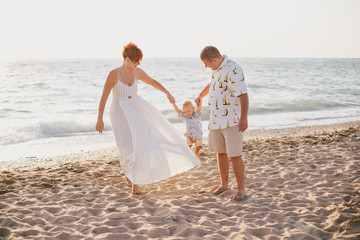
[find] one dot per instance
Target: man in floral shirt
(229, 104)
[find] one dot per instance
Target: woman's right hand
(100, 126)
(171, 98)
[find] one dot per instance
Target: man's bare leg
(223, 165)
(239, 170)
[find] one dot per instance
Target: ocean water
(49, 107)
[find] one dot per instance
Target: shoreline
(254, 134)
(261, 134)
(298, 187)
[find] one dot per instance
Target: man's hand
(243, 124)
(198, 101)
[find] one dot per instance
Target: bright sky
(179, 28)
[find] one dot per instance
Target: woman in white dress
(150, 147)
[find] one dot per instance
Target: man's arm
(198, 109)
(244, 102)
(203, 93)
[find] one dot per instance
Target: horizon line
(117, 58)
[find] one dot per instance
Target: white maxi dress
(150, 148)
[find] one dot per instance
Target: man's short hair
(209, 53)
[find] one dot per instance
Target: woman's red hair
(132, 52)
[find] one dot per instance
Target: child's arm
(176, 108)
(198, 110)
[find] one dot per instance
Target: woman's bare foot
(128, 182)
(135, 189)
(240, 195)
(219, 190)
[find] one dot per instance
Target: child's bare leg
(197, 149)
(188, 140)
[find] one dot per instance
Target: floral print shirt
(227, 83)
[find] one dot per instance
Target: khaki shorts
(228, 140)
(190, 140)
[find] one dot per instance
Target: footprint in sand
(4, 232)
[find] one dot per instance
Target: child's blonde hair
(187, 103)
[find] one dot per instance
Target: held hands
(171, 98)
(100, 126)
(198, 101)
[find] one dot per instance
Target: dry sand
(298, 187)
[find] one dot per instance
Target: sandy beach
(301, 184)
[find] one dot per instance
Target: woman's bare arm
(109, 83)
(141, 75)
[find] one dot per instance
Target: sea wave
(302, 105)
(51, 98)
(19, 134)
(273, 107)
(45, 130)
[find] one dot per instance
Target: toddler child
(192, 122)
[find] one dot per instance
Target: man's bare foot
(240, 195)
(219, 190)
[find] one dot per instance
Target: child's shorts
(190, 140)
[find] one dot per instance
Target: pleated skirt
(150, 148)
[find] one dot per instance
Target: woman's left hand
(171, 98)
(99, 126)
